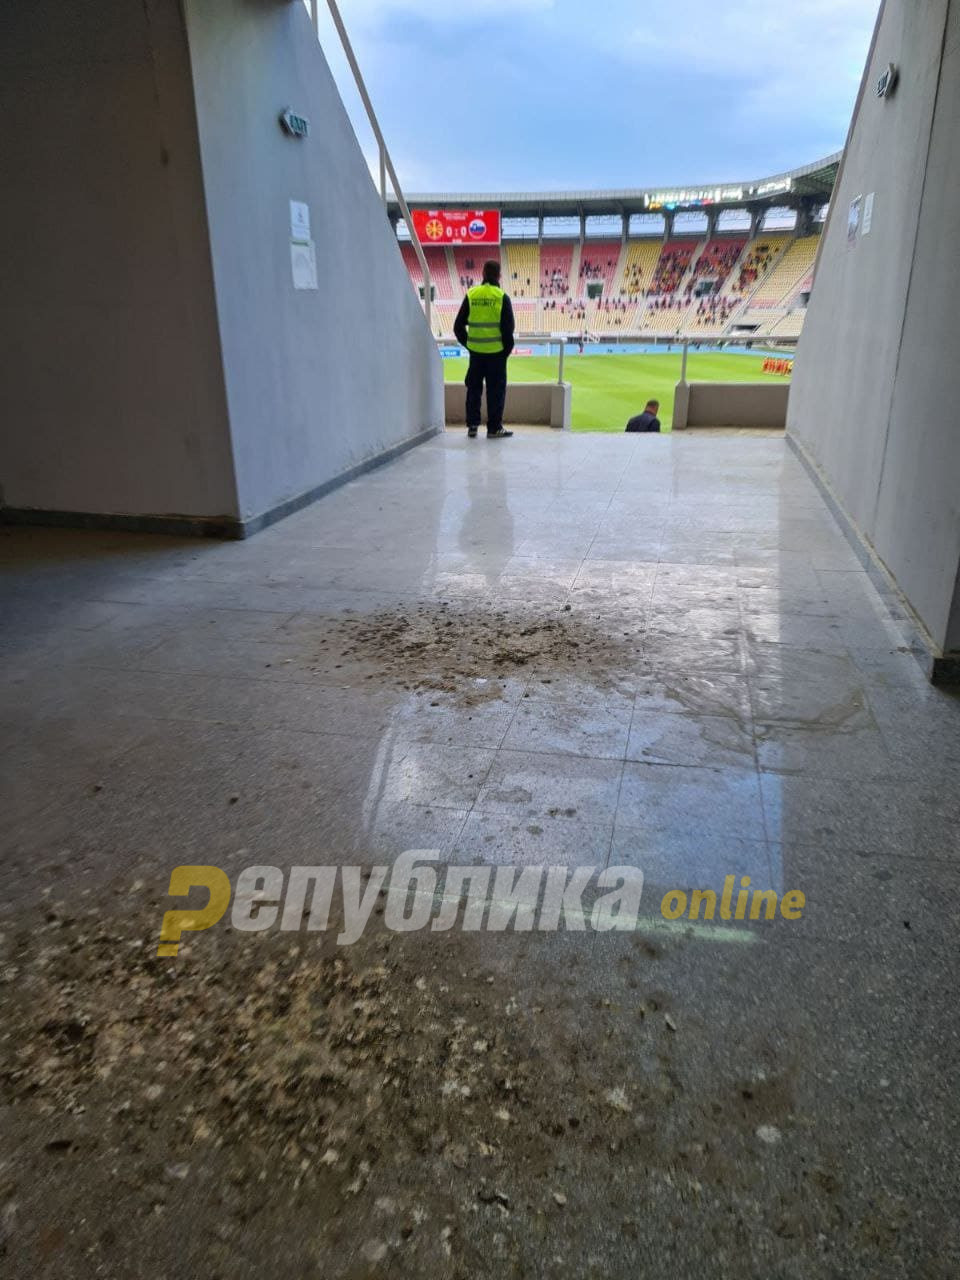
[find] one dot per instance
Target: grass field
(607, 390)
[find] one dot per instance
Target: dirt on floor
(466, 650)
(271, 1104)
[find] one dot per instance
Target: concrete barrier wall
(112, 394)
(532, 403)
(877, 382)
(730, 404)
(319, 381)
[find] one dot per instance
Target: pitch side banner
(457, 226)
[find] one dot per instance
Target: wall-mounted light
(888, 81)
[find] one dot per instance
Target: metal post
(384, 153)
(683, 362)
(563, 345)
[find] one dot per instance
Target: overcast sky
(501, 95)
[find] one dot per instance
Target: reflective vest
(483, 322)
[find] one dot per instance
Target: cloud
(373, 14)
(625, 93)
(785, 61)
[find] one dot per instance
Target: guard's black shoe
(472, 432)
(498, 435)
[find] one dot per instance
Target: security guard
(484, 325)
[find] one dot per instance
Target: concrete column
(167, 359)
(805, 217)
(874, 393)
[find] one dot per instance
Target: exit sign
(296, 126)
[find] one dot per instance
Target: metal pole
(384, 153)
(563, 345)
(683, 365)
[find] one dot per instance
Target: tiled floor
(770, 697)
(155, 708)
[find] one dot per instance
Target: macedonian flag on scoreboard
(457, 226)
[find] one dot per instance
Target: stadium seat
(788, 274)
(648, 284)
(521, 269)
(556, 264)
(639, 265)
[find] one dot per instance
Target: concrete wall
(730, 404)
(545, 404)
(876, 381)
(111, 390)
(317, 381)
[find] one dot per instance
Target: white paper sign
(867, 214)
(303, 262)
(299, 221)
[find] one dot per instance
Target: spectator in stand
(646, 421)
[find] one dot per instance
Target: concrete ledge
(939, 667)
(730, 404)
(184, 526)
(530, 403)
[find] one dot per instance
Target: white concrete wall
(877, 381)
(111, 391)
(730, 404)
(547, 404)
(317, 382)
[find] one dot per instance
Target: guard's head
(491, 272)
(652, 406)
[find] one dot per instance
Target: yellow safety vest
(483, 322)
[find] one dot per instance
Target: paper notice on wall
(303, 261)
(299, 221)
(853, 219)
(867, 214)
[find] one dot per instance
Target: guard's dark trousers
(491, 369)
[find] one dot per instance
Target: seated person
(648, 420)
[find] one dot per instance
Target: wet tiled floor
(768, 720)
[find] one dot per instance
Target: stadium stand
(444, 315)
(758, 258)
(789, 326)
(468, 266)
(439, 265)
(556, 263)
(599, 261)
(640, 262)
(672, 266)
(663, 316)
(649, 285)
(521, 269)
(787, 274)
(716, 261)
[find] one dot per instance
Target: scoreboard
(457, 226)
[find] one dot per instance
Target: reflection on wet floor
(657, 652)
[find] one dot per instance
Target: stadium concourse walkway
(561, 650)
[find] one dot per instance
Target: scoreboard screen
(457, 226)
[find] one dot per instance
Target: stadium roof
(811, 181)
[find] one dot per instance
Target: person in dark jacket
(485, 326)
(648, 420)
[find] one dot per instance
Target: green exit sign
(296, 126)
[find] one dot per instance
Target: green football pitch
(607, 390)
